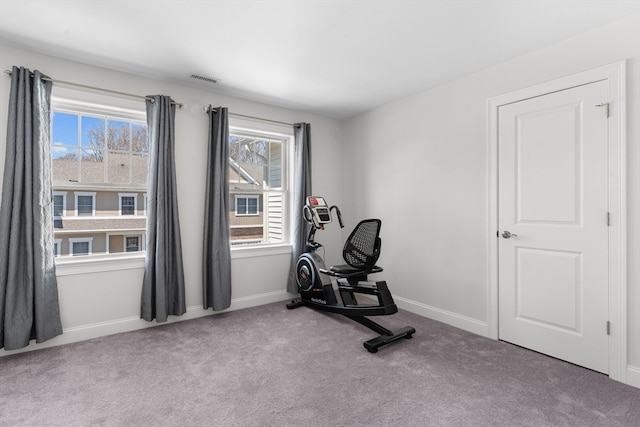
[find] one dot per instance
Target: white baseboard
(454, 319)
(633, 376)
(260, 299)
(116, 326)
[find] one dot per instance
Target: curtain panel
(163, 289)
(301, 190)
(217, 252)
(29, 306)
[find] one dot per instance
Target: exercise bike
(361, 252)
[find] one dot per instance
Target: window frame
(91, 194)
(74, 240)
(124, 243)
(62, 194)
(87, 103)
(247, 197)
(267, 129)
(57, 247)
(135, 203)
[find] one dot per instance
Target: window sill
(69, 266)
(259, 251)
(94, 264)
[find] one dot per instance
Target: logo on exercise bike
(319, 301)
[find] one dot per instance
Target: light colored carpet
(269, 366)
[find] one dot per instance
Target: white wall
(94, 304)
(421, 165)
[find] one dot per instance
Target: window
(259, 182)
(132, 244)
(246, 205)
(81, 245)
(85, 204)
(56, 247)
(93, 149)
(128, 203)
(59, 204)
(100, 154)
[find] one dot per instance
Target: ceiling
(336, 58)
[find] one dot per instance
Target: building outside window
(100, 158)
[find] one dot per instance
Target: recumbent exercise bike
(361, 252)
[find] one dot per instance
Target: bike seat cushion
(346, 270)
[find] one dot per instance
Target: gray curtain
(163, 283)
(301, 190)
(28, 286)
(217, 252)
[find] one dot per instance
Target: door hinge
(606, 108)
(608, 328)
(608, 219)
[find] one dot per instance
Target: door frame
(615, 75)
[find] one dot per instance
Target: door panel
(552, 197)
(548, 152)
(541, 273)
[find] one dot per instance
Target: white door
(552, 198)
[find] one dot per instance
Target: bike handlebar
(338, 214)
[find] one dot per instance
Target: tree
(95, 152)
(247, 150)
(139, 139)
(117, 136)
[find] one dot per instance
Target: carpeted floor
(269, 366)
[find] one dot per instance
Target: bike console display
(317, 211)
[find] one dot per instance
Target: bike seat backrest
(362, 248)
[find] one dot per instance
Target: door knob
(507, 234)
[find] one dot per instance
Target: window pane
(128, 205)
(85, 205)
(241, 206)
(65, 164)
(139, 168)
(132, 244)
(248, 150)
(119, 168)
(93, 133)
(80, 248)
(274, 177)
(64, 129)
(139, 142)
(58, 205)
(92, 166)
(248, 157)
(255, 162)
(118, 135)
(252, 206)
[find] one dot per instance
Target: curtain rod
(178, 104)
(215, 110)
